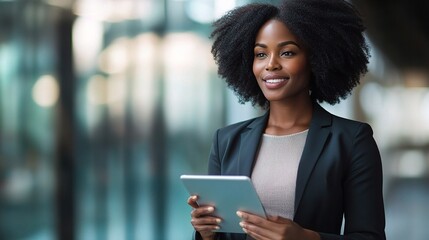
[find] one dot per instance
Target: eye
(260, 55)
(287, 54)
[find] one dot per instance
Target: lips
(274, 82)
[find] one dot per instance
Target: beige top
(275, 171)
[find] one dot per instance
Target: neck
(290, 117)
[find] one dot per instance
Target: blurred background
(105, 103)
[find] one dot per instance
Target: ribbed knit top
(275, 171)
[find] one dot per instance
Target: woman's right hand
(202, 219)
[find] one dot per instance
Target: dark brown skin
(201, 219)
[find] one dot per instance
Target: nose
(273, 64)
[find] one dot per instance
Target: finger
(206, 228)
(212, 221)
(251, 218)
(202, 211)
(257, 232)
(256, 226)
(278, 219)
(192, 201)
(207, 223)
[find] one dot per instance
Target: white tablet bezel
(227, 194)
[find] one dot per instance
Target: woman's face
(280, 63)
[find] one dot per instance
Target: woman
(310, 168)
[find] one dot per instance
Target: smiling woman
(280, 65)
(310, 168)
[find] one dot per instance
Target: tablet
(227, 194)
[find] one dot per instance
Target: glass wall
(148, 102)
(29, 91)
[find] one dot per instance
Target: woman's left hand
(274, 228)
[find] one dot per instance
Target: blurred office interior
(105, 103)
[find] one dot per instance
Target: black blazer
(339, 173)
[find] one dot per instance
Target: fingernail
(210, 209)
(244, 230)
(194, 197)
(241, 224)
(218, 220)
(240, 214)
(216, 228)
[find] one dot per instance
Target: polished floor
(407, 209)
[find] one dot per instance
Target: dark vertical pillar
(65, 169)
(130, 173)
(129, 160)
(102, 153)
(158, 147)
(159, 165)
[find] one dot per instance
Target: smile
(275, 83)
(275, 80)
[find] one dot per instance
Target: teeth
(274, 80)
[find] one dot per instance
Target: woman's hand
(202, 220)
(274, 228)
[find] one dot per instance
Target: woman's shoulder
(353, 126)
(342, 124)
(348, 121)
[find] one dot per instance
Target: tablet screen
(227, 194)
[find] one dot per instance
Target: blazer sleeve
(214, 168)
(363, 187)
(362, 190)
(214, 165)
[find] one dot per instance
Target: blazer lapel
(249, 144)
(318, 133)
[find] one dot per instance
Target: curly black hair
(331, 31)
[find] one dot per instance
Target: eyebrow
(278, 45)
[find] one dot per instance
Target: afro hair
(331, 31)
